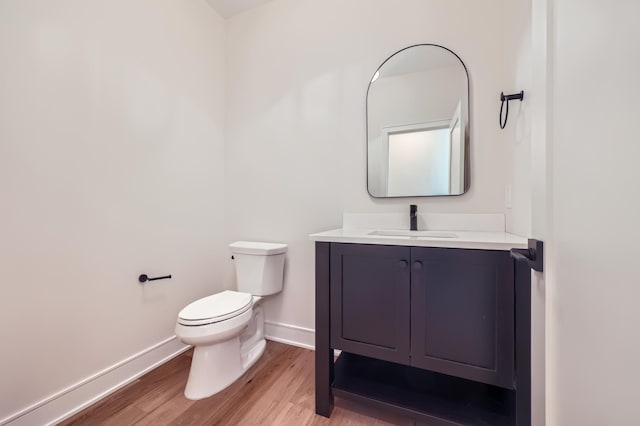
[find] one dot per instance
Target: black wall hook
(505, 99)
(144, 278)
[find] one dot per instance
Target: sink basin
(421, 234)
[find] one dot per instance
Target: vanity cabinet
(430, 332)
(444, 310)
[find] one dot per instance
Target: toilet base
(215, 367)
(253, 354)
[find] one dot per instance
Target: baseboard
(290, 334)
(75, 398)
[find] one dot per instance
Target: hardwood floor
(278, 390)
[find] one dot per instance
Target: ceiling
(229, 8)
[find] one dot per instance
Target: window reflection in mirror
(417, 124)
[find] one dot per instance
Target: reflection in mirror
(417, 124)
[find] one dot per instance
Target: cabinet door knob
(417, 265)
(403, 264)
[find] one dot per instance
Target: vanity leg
(324, 353)
(523, 344)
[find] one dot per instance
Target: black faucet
(413, 215)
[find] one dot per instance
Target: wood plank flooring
(277, 390)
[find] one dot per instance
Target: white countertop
(484, 240)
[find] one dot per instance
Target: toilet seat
(216, 308)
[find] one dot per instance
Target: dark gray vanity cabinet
(444, 310)
(433, 333)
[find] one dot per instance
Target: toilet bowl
(227, 328)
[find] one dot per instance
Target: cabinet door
(462, 313)
(370, 300)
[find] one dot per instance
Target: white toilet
(227, 328)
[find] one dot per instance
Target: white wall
(518, 76)
(593, 279)
(298, 72)
(111, 165)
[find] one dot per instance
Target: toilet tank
(259, 266)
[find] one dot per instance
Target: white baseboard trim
(290, 334)
(77, 397)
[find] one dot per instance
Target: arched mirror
(418, 124)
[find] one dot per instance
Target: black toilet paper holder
(144, 278)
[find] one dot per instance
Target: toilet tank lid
(252, 247)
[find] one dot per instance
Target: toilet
(227, 328)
